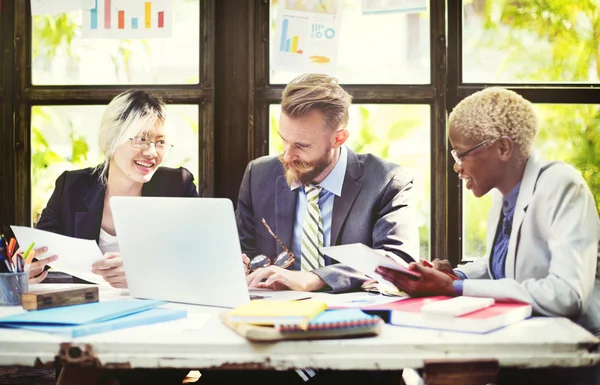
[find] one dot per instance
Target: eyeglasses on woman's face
(458, 156)
(141, 142)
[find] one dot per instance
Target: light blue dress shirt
(332, 187)
(501, 244)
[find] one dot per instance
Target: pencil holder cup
(12, 285)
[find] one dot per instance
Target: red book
(407, 312)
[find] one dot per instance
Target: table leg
(480, 372)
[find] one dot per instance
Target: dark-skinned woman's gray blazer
(76, 205)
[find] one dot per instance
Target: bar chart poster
(307, 35)
(128, 19)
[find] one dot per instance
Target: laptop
(181, 249)
(185, 250)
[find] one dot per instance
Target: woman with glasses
(135, 140)
(543, 230)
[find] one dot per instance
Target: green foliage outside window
(567, 41)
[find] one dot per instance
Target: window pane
(568, 132)
(65, 138)
(390, 48)
(61, 56)
(530, 41)
(397, 133)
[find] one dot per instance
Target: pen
(11, 247)
(428, 264)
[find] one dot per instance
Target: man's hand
(432, 281)
(111, 269)
(276, 278)
(246, 263)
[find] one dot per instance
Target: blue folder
(144, 317)
(90, 318)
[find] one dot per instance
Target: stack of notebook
(281, 320)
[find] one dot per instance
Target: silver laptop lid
(181, 249)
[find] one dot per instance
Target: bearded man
(320, 193)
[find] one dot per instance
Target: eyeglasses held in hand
(284, 260)
(162, 146)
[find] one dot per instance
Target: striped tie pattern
(312, 231)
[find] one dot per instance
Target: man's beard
(304, 172)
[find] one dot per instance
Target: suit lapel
(532, 170)
(87, 223)
(343, 203)
(285, 211)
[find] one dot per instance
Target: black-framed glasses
(458, 156)
(162, 146)
(284, 260)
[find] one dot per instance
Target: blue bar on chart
(94, 16)
(284, 40)
(134, 23)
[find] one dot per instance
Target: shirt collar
(510, 200)
(334, 181)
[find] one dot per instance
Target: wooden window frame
(19, 95)
(432, 94)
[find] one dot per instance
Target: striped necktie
(312, 231)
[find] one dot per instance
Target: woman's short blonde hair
(129, 114)
(495, 112)
(318, 92)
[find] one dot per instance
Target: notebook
(329, 324)
(408, 313)
(265, 312)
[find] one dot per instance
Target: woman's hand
(36, 268)
(444, 266)
(432, 281)
(112, 270)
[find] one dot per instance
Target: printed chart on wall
(307, 35)
(128, 19)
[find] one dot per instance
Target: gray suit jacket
(553, 253)
(375, 208)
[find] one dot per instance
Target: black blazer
(76, 205)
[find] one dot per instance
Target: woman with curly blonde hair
(543, 227)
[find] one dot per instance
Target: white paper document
(307, 35)
(75, 256)
(387, 6)
(364, 259)
(358, 299)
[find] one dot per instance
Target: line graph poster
(128, 19)
(307, 35)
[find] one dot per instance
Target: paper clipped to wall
(128, 19)
(389, 6)
(307, 36)
(51, 7)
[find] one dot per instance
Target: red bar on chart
(161, 19)
(121, 19)
(107, 11)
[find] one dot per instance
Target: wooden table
(201, 341)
